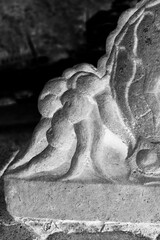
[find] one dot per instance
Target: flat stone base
(82, 202)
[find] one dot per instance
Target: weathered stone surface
(9, 228)
(16, 231)
(79, 201)
(74, 210)
(102, 124)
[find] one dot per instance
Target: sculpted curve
(93, 126)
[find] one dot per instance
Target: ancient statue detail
(103, 124)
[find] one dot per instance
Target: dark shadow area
(116, 235)
(23, 77)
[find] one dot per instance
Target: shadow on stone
(117, 235)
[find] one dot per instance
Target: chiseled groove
(134, 60)
(139, 13)
(128, 87)
(119, 112)
(125, 125)
(118, 39)
(135, 31)
(144, 114)
(118, 36)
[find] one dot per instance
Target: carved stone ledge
(85, 202)
(50, 207)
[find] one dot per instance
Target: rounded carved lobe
(103, 111)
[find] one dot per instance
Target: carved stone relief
(103, 124)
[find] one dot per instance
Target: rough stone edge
(4, 168)
(43, 228)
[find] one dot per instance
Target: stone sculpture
(103, 124)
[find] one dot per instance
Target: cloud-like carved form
(71, 134)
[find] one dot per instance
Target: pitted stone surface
(78, 201)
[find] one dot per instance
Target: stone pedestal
(48, 207)
(82, 202)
